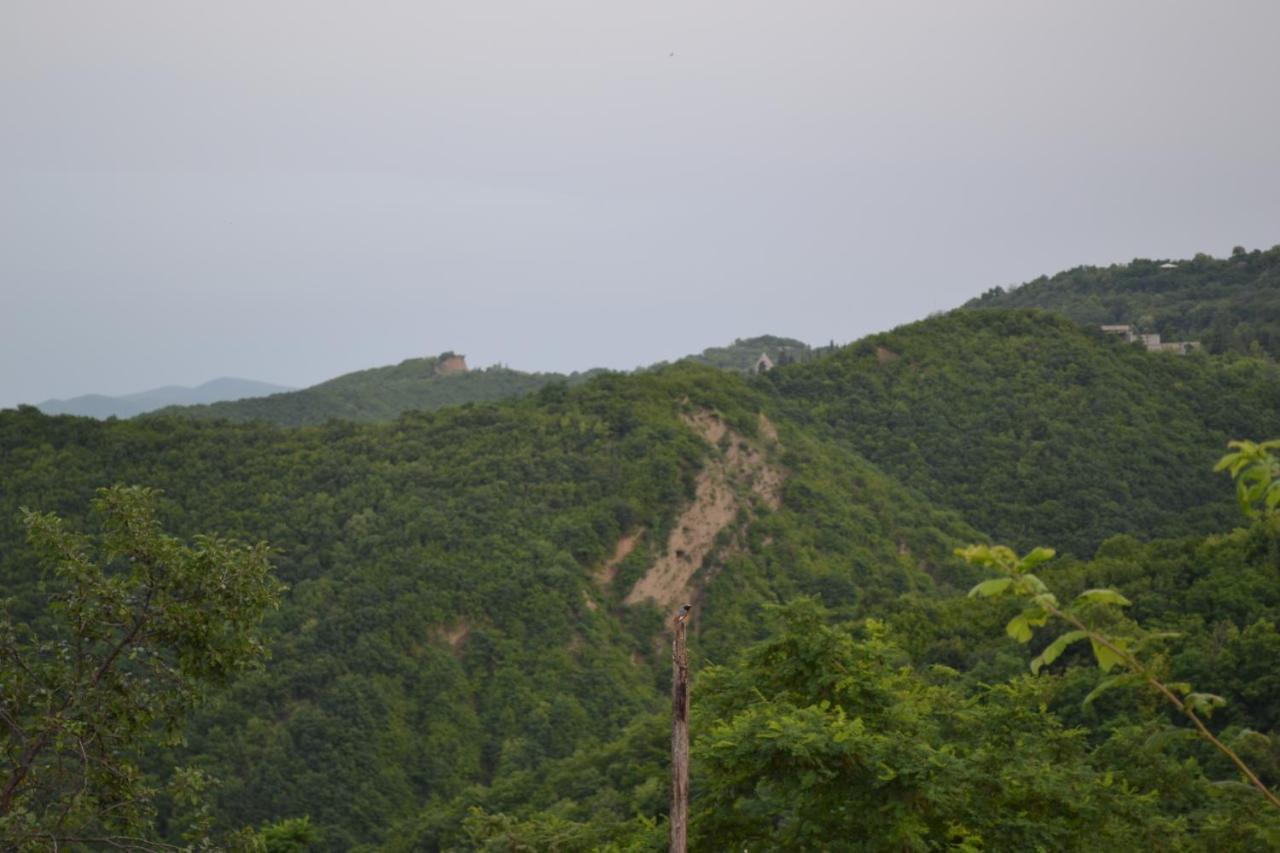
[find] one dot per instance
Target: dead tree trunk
(679, 739)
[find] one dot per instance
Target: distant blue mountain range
(128, 405)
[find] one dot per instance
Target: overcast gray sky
(287, 191)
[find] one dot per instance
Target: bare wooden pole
(679, 736)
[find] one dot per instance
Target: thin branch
(1133, 664)
(13, 726)
(37, 746)
(119, 842)
(125, 642)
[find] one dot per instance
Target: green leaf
(1055, 650)
(1204, 703)
(1045, 600)
(1035, 558)
(1033, 585)
(1102, 596)
(1108, 684)
(998, 557)
(1107, 657)
(1018, 628)
(987, 589)
(1155, 637)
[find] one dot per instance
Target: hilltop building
(450, 364)
(1176, 347)
(1152, 340)
(763, 363)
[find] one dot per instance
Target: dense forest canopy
(425, 384)
(470, 653)
(1039, 430)
(444, 626)
(1228, 304)
(379, 394)
(744, 353)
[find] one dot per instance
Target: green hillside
(471, 653)
(420, 384)
(1228, 304)
(1038, 430)
(446, 624)
(379, 394)
(743, 354)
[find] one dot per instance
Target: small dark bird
(684, 613)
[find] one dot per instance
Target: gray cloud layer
(289, 190)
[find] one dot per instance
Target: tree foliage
(454, 667)
(377, 394)
(1231, 305)
(1110, 647)
(1038, 430)
(825, 737)
(139, 626)
(1256, 471)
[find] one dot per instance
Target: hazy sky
(286, 191)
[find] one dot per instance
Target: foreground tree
(138, 627)
(1256, 471)
(1118, 647)
(824, 737)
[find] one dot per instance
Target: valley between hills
(469, 645)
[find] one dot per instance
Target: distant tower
(449, 363)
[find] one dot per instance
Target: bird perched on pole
(683, 614)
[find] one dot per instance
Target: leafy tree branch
(1256, 472)
(1110, 651)
(138, 627)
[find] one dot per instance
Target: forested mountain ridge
(1228, 304)
(420, 384)
(380, 394)
(1037, 429)
(448, 623)
(462, 661)
(744, 353)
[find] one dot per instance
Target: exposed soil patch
(767, 429)
(884, 355)
(713, 507)
(455, 636)
(722, 493)
(606, 573)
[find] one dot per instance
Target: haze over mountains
(478, 592)
(381, 393)
(128, 405)
(961, 568)
(1229, 304)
